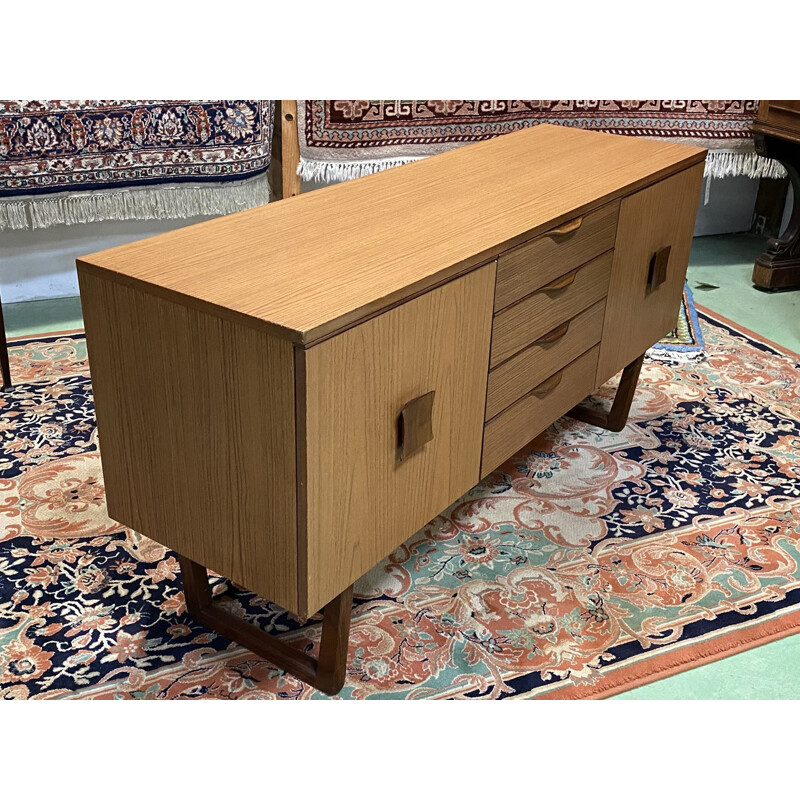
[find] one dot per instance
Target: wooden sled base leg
(617, 417)
(326, 673)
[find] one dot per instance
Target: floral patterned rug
(70, 161)
(589, 563)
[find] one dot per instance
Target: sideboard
(286, 394)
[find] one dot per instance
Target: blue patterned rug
(685, 341)
(70, 161)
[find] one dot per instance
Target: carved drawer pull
(545, 387)
(557, 333)
(415, 425)
(566, 229)
(561, 283)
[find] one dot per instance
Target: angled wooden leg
(332, 662)
(196, 588)
(5, 369)
(327, 673)
(617, 417)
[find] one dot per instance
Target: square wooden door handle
(658, 268)
(415, 425)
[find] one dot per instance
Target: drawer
(515, 377)
(513, 428)
(525, 268)
(523, 323)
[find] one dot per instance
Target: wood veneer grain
(312, 265)
(517, 326)
(533, 264)
(513, 428)
(636, 316)
(517, 376)
(196, 422)
(362, 501)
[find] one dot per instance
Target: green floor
(719, 275)
(61, 314)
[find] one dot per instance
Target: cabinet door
(364, 495)
(641, 307)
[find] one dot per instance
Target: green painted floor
(719, 275)
(60, 314)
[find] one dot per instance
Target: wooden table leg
(327, 672)
(616, 419)
(5, 369)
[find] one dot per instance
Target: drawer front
(513, 428)
(517, 376)
(383, 457)
(525, 322)
(533, 264)
(651, 254)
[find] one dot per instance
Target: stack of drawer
(549, 308)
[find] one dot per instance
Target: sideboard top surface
(311, 265)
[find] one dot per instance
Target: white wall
(726, 206)
(41, 264)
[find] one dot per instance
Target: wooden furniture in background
(777, 135)
(254, 375)
(283, 178)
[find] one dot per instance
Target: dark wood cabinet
(777, 135)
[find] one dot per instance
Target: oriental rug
(69, 161)
(589, 563)
(341, 139)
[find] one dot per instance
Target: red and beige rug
(590, 563)
(342, 139)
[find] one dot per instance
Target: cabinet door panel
(365, 494)
(639, 313)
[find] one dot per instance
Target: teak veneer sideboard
(286, 394)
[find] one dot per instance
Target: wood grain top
(311, 265)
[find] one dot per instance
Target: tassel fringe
(333, 171)
(182, 202)
(156, 202)
(727, 163)
(719, 164)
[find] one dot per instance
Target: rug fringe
(331, 171)
(719, 164)
(729, 163)
(152, 202)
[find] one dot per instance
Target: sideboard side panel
(196, 423)
(662, 215)
(362, 500)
